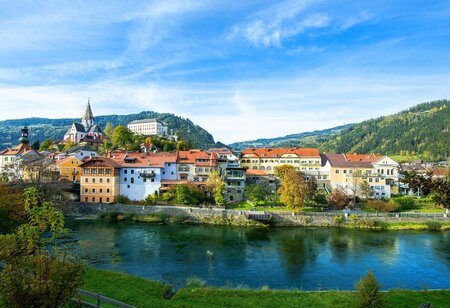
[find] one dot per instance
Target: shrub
(353, 218)
(338, 199)
(320, 199)
(338, 219)
(434, 225)
(122, 199)
(366, 222)
(167, 196)
(150, 199)
(381, 206)
(406, 203)
(368, 291)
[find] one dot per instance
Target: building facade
(69, 169)
(148, 127)
(99, 180)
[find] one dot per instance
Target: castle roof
(87, 114)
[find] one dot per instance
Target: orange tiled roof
(195, 157)
(363, 157)
(64, 160)
(20, 149)
(278, 152)
(155, 160)
(100, 161)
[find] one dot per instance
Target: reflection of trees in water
(357, 244)
(300, 247)
(96, 240)
(441, 246)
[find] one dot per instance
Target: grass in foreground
(146, 293)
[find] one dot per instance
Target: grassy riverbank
(141, 292)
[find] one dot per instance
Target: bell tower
(24, 136)
(88, 118)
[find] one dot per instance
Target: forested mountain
(54, 129)
(421, 131)
(307, 139)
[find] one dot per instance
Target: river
(281, 258)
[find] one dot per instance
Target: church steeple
(88, 117)
(24, 136)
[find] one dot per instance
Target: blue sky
(240, 69)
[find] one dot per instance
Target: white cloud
(237, 111)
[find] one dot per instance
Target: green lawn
(146, 293)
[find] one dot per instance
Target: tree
(68, 145)
(257, 192)
(37, 272)
(441, 191)
(365, 190)
(46, 145)
(216, 186)
(293, 189)
(280, 171)
(108, 132)
(36, 145)
(151, 199)
(311, 187)
(368, 291)
(338, 198)
(183, 195)
(122, 136)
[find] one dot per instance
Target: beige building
(306, 160)
(349, 171)
(148, 127)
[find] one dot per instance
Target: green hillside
(421, 130)
(54, 129)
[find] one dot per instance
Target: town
(104, 174)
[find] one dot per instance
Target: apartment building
(196, 165)
(99, 180)
(349, 171)
(306, 160)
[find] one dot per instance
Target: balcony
(147, 175)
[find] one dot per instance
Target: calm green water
(282, 258)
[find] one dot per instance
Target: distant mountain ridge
(422, 130)
(54, 129)
(306, 139)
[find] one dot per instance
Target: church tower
(88, 117)
(24, 136)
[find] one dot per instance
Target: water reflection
(280, 258)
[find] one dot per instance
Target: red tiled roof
(100, 161)
(363, 157)
(340, 160)
(155, 160)
(195, 157)
(278, 152)
(251, 172)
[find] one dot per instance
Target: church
(86, 131)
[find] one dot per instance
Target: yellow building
(69, 169)
(100, 180)
(306, 160)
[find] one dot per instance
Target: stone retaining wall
(219, 215)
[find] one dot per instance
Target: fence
(99, 299)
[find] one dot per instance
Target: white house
(86, 131)
(148, 127)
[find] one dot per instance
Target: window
(108, 171)
(370, 180)
(85, 190)
(269, 168)
(107, 190)
(254, 168)
(93, 199)
(132, 171)
(100, 180)
(125, 171)
(337, 171)
(107, 180)
(94, 171)
(85, 199)
(164, 172)
(93, 180)
(86, 180)
(100, 190)
(144, 180)
(377, 180)
(93, 190)
(132, 180)
(345, 171)
(67, 169)
(152, 180)
(128, 186)
(107, 199)
(125, 179)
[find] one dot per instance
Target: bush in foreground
(368, 291)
